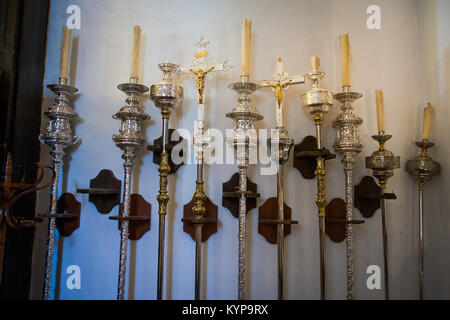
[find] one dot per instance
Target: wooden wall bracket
(209, 221)
(156, 148)
(305, 154)
(268, 220)
(139, 218)
(230, 195)
(335, 222)
(368, 196)
(68, 214)
(104, 191)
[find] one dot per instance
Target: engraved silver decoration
(422, 168)
(244, 139)
(383, 162)
(129, 140)
(166, 95)
(58, 137)
(348, 145)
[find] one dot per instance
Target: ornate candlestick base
(422, 168)
(166, 96)
(348, 145)
(244, 138)
(129, 140)
(383, 162)
(58, 137)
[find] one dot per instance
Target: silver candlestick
(422, 168)
(244, 138)
(280, 145)
(317, 102)
(202, 68)
(383, 162)
(166, 96)
(58, 137)
(129, 140)
(348, 145)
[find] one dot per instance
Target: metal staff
(282, 145)
(318, 101)
(348, 145)
(166, 96)
(383, 162)
(129, 140)
(201, 68)
(58, 137)
(244, 138)
(422, 168)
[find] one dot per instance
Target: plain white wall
(395, 59)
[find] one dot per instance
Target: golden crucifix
(201, 81)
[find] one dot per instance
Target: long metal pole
(162, 211)
(128, 167)
(421, 248)
(198, 237)
(57, 154)
(280, 229)
(321, 202)
(348, 169)
(242, 283)
(385, 246)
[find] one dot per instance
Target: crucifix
(281, 80)
(201, 69)
(280, 146)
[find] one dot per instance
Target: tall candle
(345, 56)
(380, 110)
(135, 53)
(65, 53)
(427, 122)
(246, 36)
(315, 62)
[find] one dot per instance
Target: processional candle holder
(423, 168)
(318, 102)
(201, 212)
(383, 162)
(244, 139)
(166, 95)
(347, 145)
(129, 140)
(58, 137)
(280, 145)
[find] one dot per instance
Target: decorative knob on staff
(317, 102)
(166, 96)
(244, 138)
(280, 145)
(202, 67)
(129, 140)
(423, 168)
(58, 137)
(347, 145)
(383, 162)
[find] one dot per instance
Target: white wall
(408, 58)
